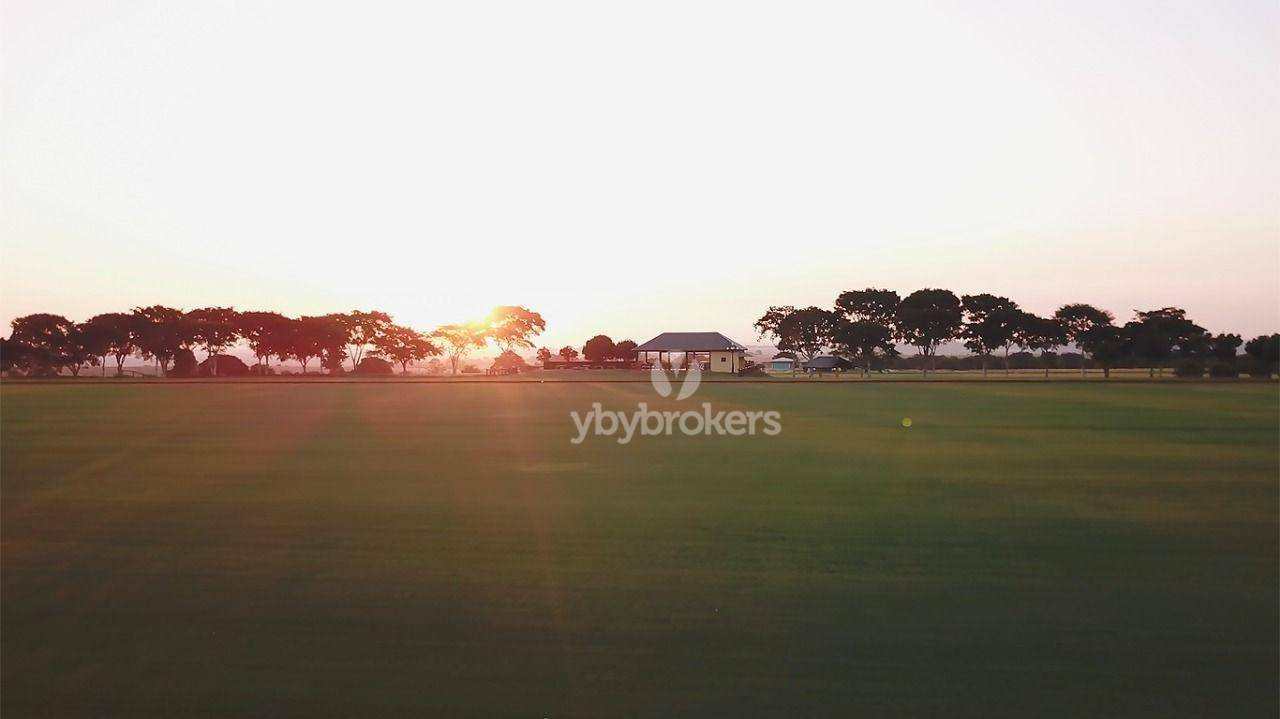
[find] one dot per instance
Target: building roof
(826, 362)
(689, 342)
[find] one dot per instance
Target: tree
(1224, 347)
(926, 319)
(266, 333)
(508, 363)
(864, 324)
(89, 345)
(544, 355)
(861, 339)
(363, 330)
(625, 350)
(598, 349)
(119, 334)
(50, 341)
(324, 337)
(1040, 333)
(14, 355)
(404, 345)
(511, 327)
(459, 341)
(162, 331)
(214, 329)
(569, 354)
(1105, 344)
(1079, 320)
(879, 306)
(1264, 352)
(1155, 334)
(802, 331)
(990, 322)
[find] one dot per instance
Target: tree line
(47, 344)
(600, 348)
(866, 326)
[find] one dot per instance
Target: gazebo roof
(689, 342)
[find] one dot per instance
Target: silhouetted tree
(1154, 335)
(990, 322)
(1264, 353)
(1040, 333)
(625, 350)
(508, 363)
(404, 345)
(803, 331)
(544, 355)
(1105, 344)
(598, 349)
(87, 348)
(569, 354)
(863, 325)
(119, 334)
(214, 330)
(363, 330)
(512, 327)
(926, 319)
(1079, 320)
(324, 337)
(459, 340)
(50, 342)
(1224, 347)
(13, 355)
(162, 332)
(266, 333)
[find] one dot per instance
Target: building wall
(724, 361)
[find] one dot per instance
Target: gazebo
(723, 354)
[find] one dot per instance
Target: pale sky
(633, 168)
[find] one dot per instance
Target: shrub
(1189, 368)
(374, 365)
(227, 366)
(184, 364)
(1223, 369)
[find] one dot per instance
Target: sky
(640, 167)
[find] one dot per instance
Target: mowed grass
(443, 549)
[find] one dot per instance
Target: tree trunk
(984, 363)
(1006, 360)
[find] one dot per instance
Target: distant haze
(631, 169)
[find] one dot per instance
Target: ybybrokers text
(652, 423)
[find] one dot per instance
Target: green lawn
(442, 549)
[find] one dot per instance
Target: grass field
(442, 549)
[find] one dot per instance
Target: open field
(1023, 549)
(642, 375)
